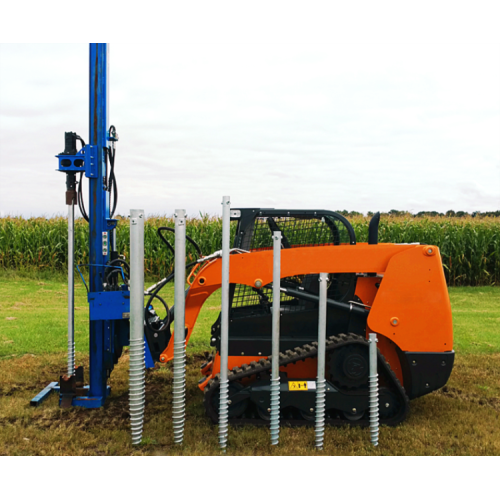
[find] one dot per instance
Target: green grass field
(35, 319)
(461, 419)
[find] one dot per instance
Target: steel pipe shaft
(179, 385)
(320, 382)
(224, 348)
(71, 289)
(137, 391)
(275, 378)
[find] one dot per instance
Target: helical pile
(137, 363)
(275, 411)
(320, 413)
(373, 399)
(137, 389)
(71, 357)
(373, 408)
(179, 391)
(223, 414)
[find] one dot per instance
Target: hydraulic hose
(154, 294)
(110, 182)
(172, 230)
(81, 204)
(170, 313)
(110, 274)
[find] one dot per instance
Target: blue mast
(99, 218)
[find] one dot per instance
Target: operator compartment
(251, 307)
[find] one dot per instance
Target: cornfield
(470, 247)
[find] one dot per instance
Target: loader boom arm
(413, 282)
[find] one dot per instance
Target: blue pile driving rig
(108, 289)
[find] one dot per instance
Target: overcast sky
(355, 126)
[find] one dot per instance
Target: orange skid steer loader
(395, 290)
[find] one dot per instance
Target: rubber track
(299, 354)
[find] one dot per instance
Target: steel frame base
(83, 401)
(44, 394)
(89, 402)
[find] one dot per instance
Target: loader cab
(250, 313)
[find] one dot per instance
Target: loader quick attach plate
(249, 392)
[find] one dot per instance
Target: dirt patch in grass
(463, 418)
(464, 396)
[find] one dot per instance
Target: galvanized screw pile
(137, 388)
(179, 384)
(373, 390)
(320, 382)
(275, 378)
(224, 383)
(71, 289)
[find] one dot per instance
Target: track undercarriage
(346, 395)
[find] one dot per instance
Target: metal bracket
(91, 161)
(71, 386)
(84, 161)
(109, 305)
(72, 163)
(111, 224)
